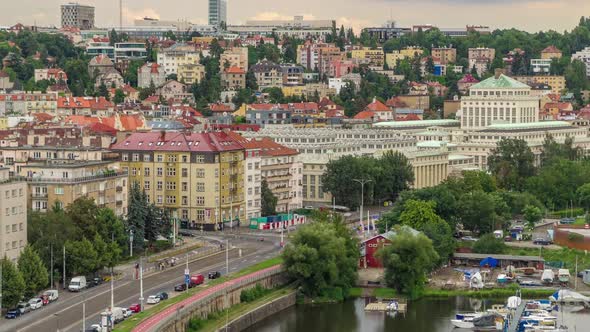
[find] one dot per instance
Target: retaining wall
(245, 321)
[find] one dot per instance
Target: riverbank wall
(268, 309)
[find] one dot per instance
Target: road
(66, 313)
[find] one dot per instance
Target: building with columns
(498, 99)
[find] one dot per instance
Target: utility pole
(576, 275)
(186, 273)
(1, 285)
(140, 283)
(64, 277)
(227, 256)
(362, 182)
(131, 243)
(51, 264)
(112, 291)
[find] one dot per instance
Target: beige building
(177, 55)
(480, 58)
(498, 99)
(233, 78)
(13, 215)
(62, 182)
(557, 83)
(445, 55)
(373, 57)
(198, 176)
(191, 73)
(234, 57)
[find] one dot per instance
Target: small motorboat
(563, 275)
(548, 276)
(465, 321)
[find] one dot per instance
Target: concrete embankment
(248, 319)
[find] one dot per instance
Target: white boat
(563, 275)
(513, 302)
(567, 296)
(548, 276)
(465, 321)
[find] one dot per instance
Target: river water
(426, 315)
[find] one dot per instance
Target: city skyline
(541, 14)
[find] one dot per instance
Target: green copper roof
(530, 125)
(417, 123)
(502, 82)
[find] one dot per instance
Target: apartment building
(233, 78)
(292, 74)
(268, 74)
(372, 57)
(177, 55)
(235, 57)
(480, 58)
(61, 182)
(13, 215)
(191, 73)
(198, 176)
(49, 74)
(584, 56)
(556, 82)
(75, 15)
(26, 103)
(444, 55)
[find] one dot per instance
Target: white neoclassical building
(498, 99)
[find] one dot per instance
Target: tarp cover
(489, 261)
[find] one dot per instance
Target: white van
(117, 315)
(52, 295)
(77, 284)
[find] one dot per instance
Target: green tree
(119, 97)
(488, 244)
(323, 258)
(13, 284)
(407, 261)
(532, 215)
(269, 200)
(82, 212)
(583, 195)
(33, 271)
(81, 257)
(511, 162)
(396, 174)
(137, 214)
(479, 212)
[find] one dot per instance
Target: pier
(513, 322)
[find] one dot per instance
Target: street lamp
(131, 243)
(362, 182)
(57, 321)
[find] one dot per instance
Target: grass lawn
(487, 293)
(384, 292)
(355, 292)
(580, 221)
(130, 323)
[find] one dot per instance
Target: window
(14, 211)
(184, 172)
(13, 193)
(184, 186)
(185, 214)
(159, 185)
(133, 171)
(171, 158)
(200, 158)
(170, 185)
(147, 157)
(171, 171)
(159, 158)
(200, 187)
(125, 157)
(170, 199)
(135, 157)
(59, 191)
(159, 171)
(159, 200)
(184, 159)
(146, 171)
(200, 173)
(200, 200)
(184, 200)
(20, 192)
(7, 229)
(200, 215)
(146, 185)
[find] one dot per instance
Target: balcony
(39, 195)
(104, 176)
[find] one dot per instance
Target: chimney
(498, 72)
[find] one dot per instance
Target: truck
(196, 279)
(77, 284)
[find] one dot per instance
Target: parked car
(35, 303)
(508, 238)
(162, 295)
(127, 313)
(469, 238)
(135, 307)
(24, 307)
(95, 328)
(153, 299)
(117, 315)
(77, 284)
(214, 275)
(44, 299)
(52, 295)
(180, 288)
(196, 279)
(541, 241)
(12, 313)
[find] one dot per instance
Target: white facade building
(541, 66)
(13, 216)
(176, 56)
(498, 99)
(584, 56)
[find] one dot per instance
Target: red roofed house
(551, 52)
(55, 74)
(151, 73)
(125, 123)
(376, 111)
(205, 175)
(233, 78)
(85, 106)
(557, 111)
(465, 83)
(131, 94)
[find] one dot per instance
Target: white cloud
(268, 16)
(129, 15)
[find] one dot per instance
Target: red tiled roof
(102, 128)
(364, 115)
(468, 79)
(43, 117)
(235, 70)
(409, 117)
(3, 74)
(174, 141)
(551, 49)
(335, 113)
(558, 105)
(131, 122)
(219, 108)
(267, 146)
(396, 102)
(326, 102)
(377, 106)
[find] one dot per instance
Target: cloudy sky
(530, 15)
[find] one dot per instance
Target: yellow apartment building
(198, 176)
(557, 83)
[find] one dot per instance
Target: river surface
(426, 315)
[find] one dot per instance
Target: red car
(135, 308)
(196, 280)
(44, 299)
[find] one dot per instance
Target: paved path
(150, 323)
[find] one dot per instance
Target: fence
(169, 316)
